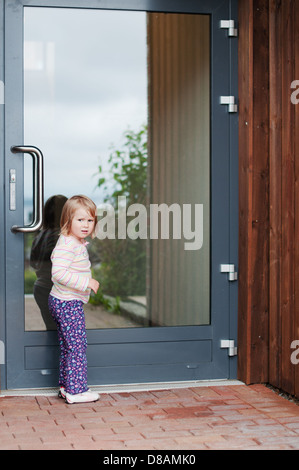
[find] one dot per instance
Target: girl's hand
(94, 285)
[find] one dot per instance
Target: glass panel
(179, 97)
(121, 115)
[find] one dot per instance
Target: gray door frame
(121, 345)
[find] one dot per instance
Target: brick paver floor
(204, 418)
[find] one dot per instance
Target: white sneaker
(84, 397)
(61, 393)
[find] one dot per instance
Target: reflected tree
(122, 266)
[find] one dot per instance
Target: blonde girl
(72, 284)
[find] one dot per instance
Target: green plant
(29, 279)
(111, 305)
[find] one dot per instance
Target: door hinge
(231, 102)
(230, 345)
(230, 26)
(230, 270)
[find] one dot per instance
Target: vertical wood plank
(275, 145)
(254, 190)
(245, 186)
(260, 220)
(296, 151)
(288, 201)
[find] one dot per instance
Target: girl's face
(82, 224)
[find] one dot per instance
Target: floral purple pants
(70, 320)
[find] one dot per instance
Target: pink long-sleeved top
(70, 270)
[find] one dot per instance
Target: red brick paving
(204, 418)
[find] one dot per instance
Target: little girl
(72, 284)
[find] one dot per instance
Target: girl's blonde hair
(69, 209)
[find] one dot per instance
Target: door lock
(12, 190)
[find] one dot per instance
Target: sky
(85, 84)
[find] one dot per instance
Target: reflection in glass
(85, 85)
(118, 102)
(42, 247)
(179, 137)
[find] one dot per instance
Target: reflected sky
(85, 83)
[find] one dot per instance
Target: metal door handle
(38, 188)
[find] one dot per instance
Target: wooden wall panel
(254, 191)
(269, 150)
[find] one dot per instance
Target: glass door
(122, 106)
